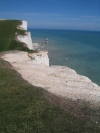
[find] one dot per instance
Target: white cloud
(55, 20)
(31, 14)
(95, 18)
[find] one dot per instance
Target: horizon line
(63, 29)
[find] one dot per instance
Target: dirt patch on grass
(78, 108)
(68, 105)
(5, 64)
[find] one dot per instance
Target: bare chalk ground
(59, 80)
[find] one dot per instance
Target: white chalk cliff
(23, 26)
(40, 57)
(27, 37)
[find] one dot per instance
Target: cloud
(95, 18)
(2, 19)
(52, 16)
(31, 14)
(50, 20)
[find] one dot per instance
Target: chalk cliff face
(23, 26)
(40, 57)
(26, 38)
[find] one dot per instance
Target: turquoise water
(79, 50)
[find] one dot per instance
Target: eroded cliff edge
(39, 57)
(59, 80)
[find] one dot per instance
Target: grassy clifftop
(8, 28)
(26, 109)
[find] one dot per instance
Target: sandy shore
(59, 80)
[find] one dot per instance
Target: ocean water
(79, 50)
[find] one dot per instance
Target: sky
(54, 14)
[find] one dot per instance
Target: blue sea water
(79, 50)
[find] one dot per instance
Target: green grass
(28, 109)
(8, 28)
(25, 109)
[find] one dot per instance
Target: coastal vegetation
(28, 109)
(8, 29)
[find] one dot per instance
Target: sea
(79, 50)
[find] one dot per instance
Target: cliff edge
(59, 80)
(39, 57)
